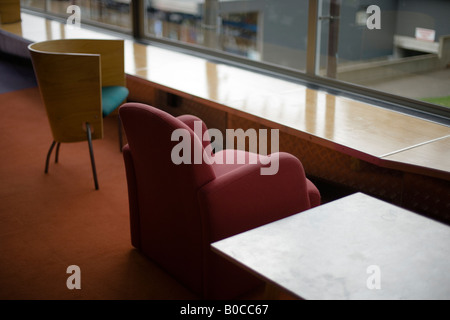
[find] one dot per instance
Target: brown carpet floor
(51, 221)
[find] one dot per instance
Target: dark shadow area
(330, 191)
(16, 73)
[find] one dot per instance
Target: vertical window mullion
(312, 60)
(137, 18)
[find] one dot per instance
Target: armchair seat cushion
(112, 97)
(223, 167)
(242, 158)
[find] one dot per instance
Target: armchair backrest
(70, 74)
(166, 193)
(149, 133)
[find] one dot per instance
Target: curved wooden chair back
(9, 11)
(70, 74)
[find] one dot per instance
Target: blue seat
(112, 98)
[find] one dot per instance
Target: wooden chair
(81, 81)
(9, 11)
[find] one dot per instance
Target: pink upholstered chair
(177, 211)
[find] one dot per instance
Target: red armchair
(177, 211)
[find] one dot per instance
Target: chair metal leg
(48, 156)
(91, 152)
(57, 152)
(120, 133)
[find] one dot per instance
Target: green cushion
(112, 98)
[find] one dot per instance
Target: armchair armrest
(132, 197)
(243, 199)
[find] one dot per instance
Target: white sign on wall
(425, 34)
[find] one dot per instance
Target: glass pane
(111, 13)
(272, 31)
(115, 13)
(33, 4)
(59, 7)
(400, 47)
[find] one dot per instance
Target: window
(274, 32)
(115, 14)
(398, 47)
(33, 4)
(394, 51)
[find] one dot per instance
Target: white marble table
(355, 248)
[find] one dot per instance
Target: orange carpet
(51, 221)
